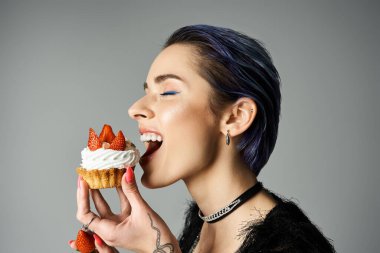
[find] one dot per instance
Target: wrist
(162, 239)
(164, 245)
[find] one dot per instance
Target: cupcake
(106, 158)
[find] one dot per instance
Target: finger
(84, 214)
(130, 189)
(101, 246)
(125, 207)
(73, 244)
(101, 205)
(105, 229)
(101, 226)
(83, 201)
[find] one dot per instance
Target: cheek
(191, 140)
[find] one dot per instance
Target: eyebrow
(159, 79)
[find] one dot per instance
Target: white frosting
(101, 158)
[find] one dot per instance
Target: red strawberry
(85, 242)
(119, 142)
(93, 141)
(107, 134)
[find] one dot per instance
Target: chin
(150, 182)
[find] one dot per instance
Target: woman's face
(176, 110)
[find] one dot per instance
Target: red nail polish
(130, 177)
(70, 242)
(98, 240)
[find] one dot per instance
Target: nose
(139, 110)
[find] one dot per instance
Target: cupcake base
(99, 179)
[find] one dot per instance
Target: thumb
(129, 186)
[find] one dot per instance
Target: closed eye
(168, 93)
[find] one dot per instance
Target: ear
(239, 116)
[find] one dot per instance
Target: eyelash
(168, 93)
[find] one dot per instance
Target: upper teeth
(150, 137)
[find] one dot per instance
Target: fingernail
(98, 240)
(70, 242)
(130, 177)
(79, 179)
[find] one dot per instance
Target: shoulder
(285, 229)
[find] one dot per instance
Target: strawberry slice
(93, 141)
(119, 142)
(107, 134)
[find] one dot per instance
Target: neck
(220, 183)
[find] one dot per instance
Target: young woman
(213, 98)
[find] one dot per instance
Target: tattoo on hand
(160, 248)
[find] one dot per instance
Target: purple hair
(237, 66)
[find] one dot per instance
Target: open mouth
(152, 143)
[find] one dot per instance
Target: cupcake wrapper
(99, 179)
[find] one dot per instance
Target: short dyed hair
(237, 66)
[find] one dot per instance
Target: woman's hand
(136, 228)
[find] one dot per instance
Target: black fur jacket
(285, 229)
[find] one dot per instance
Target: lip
(143, 130)
(145, 159)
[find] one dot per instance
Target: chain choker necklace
(222, 213)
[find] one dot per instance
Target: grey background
(69, 65)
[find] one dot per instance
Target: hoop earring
(228, 138)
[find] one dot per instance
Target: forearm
(163, 240)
